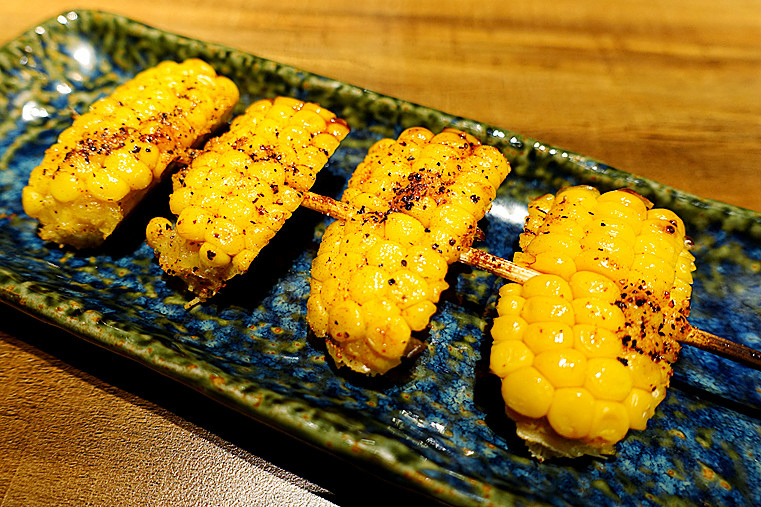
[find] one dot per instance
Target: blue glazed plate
(437, 425)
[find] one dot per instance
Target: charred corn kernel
(601, 323)
(418, 200)
(111, 156)
(236, 194)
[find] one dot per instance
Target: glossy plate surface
(436, 425)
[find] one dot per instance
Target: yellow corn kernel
(547, 308)
(590, 310)
(113, 154)
(572, 412)
(550, 263)
(546, 285)
(403, 229)
(213, 256)
(65, 186)
(418, 315)
(547, 335)
(562, 245)
(640, 407)
(243, 259)
(658, 245)
(527, 392)
(238, 192)
(226, 235)
(510, 304)
(106, 186)
(387, 332)
(346, 321)
(656, 273)
(192, 224)
(508, 327)
(593, 341)
(368, 283)
(508, 356)
(386, 254)
(562, 367)
(407, 288)
(130, 169)
(610, 422)
(608, 379)
(588, 283)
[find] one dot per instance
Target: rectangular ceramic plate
(437, 425)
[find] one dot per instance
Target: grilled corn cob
(585, 349)
(110, 157)
(378, 276)
(237, 193)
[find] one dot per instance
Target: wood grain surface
(666, 89)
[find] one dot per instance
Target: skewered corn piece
(236, 194)
(378, 275)
(110, 157)
(585, 349)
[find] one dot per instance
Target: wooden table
(668, 89)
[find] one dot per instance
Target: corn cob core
(585, 350)
(236, 194)
(110, 157)
(378, 276)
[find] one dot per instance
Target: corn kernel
(590, 310)
(571, 412)
(510, 304)
(564, 367)
(403, 229)
(346, 321)
(213, 256)
(610, 422)
(106, 186)
(527, 392)
(508, 356)
(387, 332)
(547, 285)
(608, 379)
(508, 327)
(368, 283)
(640, 407)
(418, 315)
(128, 168)
(543, 336)
(547, 308)
(66, 186)
(386, 254)
(595, 341)
(191, 224)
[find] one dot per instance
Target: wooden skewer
(513, 272)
